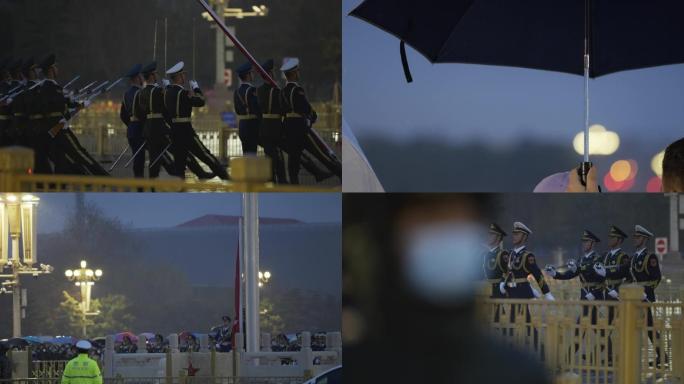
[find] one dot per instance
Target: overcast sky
(149, 210)
(461, 102)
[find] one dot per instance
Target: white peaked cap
(176, 68)
(520, 227)
(290, 64)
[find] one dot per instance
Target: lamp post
(18, 219)
(84, 278)
(264, 278)
(221, 8)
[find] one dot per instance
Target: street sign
(661, 246)
(229, 118)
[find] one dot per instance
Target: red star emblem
(191, 370)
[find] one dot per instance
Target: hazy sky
(147, 210)
(462, 102)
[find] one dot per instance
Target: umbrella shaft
(586, 108)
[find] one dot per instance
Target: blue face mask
(442, 263)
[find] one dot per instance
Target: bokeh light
(654, 185)
(657, 163)
(601, 141)
(620, 170)
(622, 176)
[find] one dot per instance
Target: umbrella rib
(456, 25)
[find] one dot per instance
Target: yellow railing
(597, 341)
(248, 174)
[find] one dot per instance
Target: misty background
(173, 269)
(463, 127)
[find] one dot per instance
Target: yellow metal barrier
(248, 174)
(595, 341)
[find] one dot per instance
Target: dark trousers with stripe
(40, 141)
(69, 144)
(249, 135)
(155, 133)
(186, 143)
(271, 134)
(136, 142)
(295, 136)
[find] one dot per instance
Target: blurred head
(518, 238)
(494, 239)
(673, 167)
(52, 72)
(226, 319)
(639, 241)
(292, 75)
(178, 78)
(247, 77)
(587, 246)
(137, 80)
(151, 77)
(614, 241)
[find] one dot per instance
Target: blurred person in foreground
(673, 167)
(410, 312)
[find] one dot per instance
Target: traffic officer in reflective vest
(299, 116)
(494, 260)
(178, 103)
(82, 369)
(149, 111)
(128, 116)
(248, 110)
(645, 271)
(271, 129)
(520, 264)
(615, 267)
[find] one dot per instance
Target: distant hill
(212, 220)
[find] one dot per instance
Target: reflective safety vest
(82, 370)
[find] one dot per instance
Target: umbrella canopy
(120, 337)
(148, 335)
(65, 340)
(540, 34)
(358, 175)
(17, 342)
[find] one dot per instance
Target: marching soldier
(271, 129)
(592, 282)
(615, 267)
(179, 103)
(150, 111)
(645, 270)
(520, 264)
(8, 83)
(248, 110)
(129, 117)
(494, 261)
(20, 120)
(298, 118)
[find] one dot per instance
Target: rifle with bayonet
(11, 96)
(97, 91)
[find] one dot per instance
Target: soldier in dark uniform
(494, 261)
(179, 103)
(150, 111)
(271, 129)
(520, 264)
(248, 110)
(644, 270)
(129, 117)
(20, 121)
(9, 83)
(299, 115)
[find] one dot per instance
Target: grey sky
(165, 210)
(460, 102)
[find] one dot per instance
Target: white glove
(614, 294)
(572, 266)
(194, 85)
(86, 103)
(535, 293)
(165, 83)
(8, 101)
(645, 297)
(502, 288)
(551, 270)
(549, 297)
(600, 270)
(589, 296)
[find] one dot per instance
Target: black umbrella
(17, 342)
(584, 37)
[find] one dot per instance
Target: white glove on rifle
(502, 288)
(551, 270)
(86, 103)
(194, 85)
(549, 297)
(589, 296)
(645, 297)
(600, 270)
(535, 293)
(165, 83)
(572, 266)
(614, 294)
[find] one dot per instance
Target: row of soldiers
(600, 275)
(35, 112)
(281, 120)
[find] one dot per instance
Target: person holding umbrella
(82, 369)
